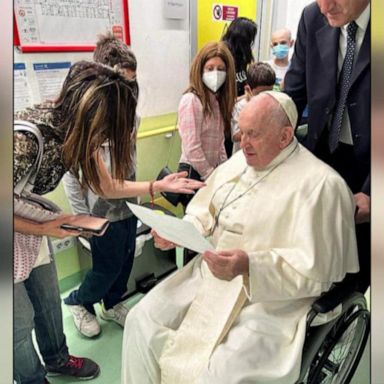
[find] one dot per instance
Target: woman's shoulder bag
(29, 206)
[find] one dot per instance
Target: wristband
(152, 193)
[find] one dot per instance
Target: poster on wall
(50, 77)
(68, 25)
(22, 89)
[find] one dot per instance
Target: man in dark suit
(330, 71)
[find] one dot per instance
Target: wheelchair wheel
(341, 350)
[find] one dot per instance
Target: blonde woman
(204, 113)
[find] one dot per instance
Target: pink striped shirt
(202, 139)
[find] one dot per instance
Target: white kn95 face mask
(214, 79)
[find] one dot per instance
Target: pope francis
(282, 223)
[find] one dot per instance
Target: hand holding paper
(161, 243)
(172, 229)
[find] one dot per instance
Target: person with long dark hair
(240, 37)
(113, 253)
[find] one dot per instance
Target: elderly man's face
(261, 142)
(341, 12)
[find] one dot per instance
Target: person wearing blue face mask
(281, 42)
(280, 51)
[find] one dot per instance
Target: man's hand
(226, 265)
(363, 208)
(161, 243)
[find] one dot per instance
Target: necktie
(343, 88)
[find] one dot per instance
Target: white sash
(187, 351)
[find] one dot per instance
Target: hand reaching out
(177, 182)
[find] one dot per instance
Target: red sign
(229, 13)
(117, 31)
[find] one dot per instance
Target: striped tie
(343, 88)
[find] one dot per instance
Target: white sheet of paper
(172, 229)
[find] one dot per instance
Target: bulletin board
(213, 16)
(68, 25)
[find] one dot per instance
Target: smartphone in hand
(85, 223)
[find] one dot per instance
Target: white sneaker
(117, 314)
(85, 322)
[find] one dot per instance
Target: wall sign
(224, 12)
(22, 90)
(175, 9)
(68, 25)
(50, 77)
(214, 17)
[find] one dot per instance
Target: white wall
(162, 49)
(287, 14)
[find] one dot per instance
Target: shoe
(46, 381)
(80, 367)
(85, 321)
(118, 314)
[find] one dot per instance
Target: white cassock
(295, 220)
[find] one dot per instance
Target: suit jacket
(312, 80)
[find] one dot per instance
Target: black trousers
(112, 261)
(344, 161)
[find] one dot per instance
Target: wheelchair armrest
(331, 299)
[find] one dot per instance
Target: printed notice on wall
(224, 12)
(175, 9)
(67, 22)
(22, 89)
(50, 77)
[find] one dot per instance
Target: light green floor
(106, 350)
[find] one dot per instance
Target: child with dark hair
(260, 77)
(116, 54)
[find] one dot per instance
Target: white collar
(283, 155)
(363, 20)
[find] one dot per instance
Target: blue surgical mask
(280, 51)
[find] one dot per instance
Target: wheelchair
(332, 351)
